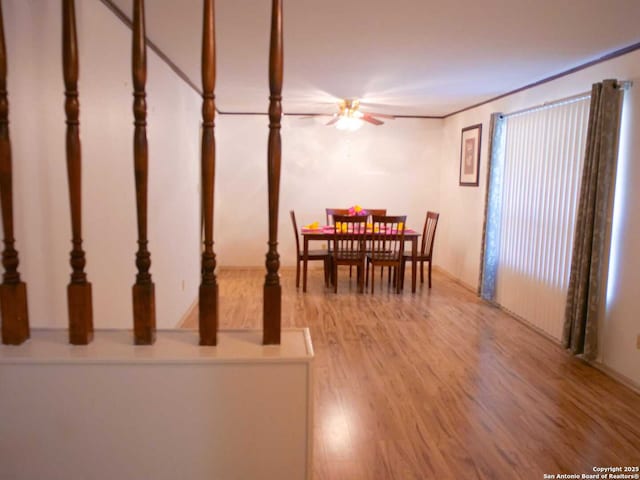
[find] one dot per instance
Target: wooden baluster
(13, 292)
(208, 300)
(144, 310)
(79, 290)
(272, 291)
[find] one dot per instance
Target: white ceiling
(411, 57)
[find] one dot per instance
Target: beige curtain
(580, 332)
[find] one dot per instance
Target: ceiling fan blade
(381, 115)
(368, 118)
(310, 115)
(333, 120)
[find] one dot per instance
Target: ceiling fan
(350, 117)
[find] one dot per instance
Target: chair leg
(429, 273)
(392, 283)
(421, 271)
(334, 271)
(298, 273)
(326, 272)
(396, 277)
(366, 273)
(350, 266)
(329, 264)
(373, 278)
(331, 270)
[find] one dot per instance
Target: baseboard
(255, 267)
(454, 279)
(527, 324)
(624, 380)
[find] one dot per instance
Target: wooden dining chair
(330, 212)
(387, 246)
(323, 255)
(375, 211)
(349, 239)
(371, 212)
(426, 248)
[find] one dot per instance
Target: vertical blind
(543, 157)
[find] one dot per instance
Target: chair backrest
(350, 233)
(429, 233)
(387, 236)
(335, 211)
(375, 211)
(295, 230)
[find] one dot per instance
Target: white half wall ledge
(110, 409)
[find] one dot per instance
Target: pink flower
(357, 210)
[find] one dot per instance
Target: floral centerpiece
(357, 210)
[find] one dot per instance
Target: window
(534, 186)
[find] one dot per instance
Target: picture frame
(470, 143)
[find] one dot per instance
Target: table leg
(414, 263)
(304, 264)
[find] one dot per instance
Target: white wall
(394, 166)
(43, 232)
(239, 411)
(462, 207)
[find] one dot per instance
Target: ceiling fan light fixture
(349, 123)
(349, 116)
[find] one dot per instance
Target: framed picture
(470, 156)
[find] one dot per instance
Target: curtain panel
(580, 333)
(492, 211)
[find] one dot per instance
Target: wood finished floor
(440, 385)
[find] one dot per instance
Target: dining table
(326, 233)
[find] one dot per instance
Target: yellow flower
(313, 226)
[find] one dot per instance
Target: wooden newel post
(79, 290)
(13, 291)
(144, 310)
(208, 298)
(272, 291)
